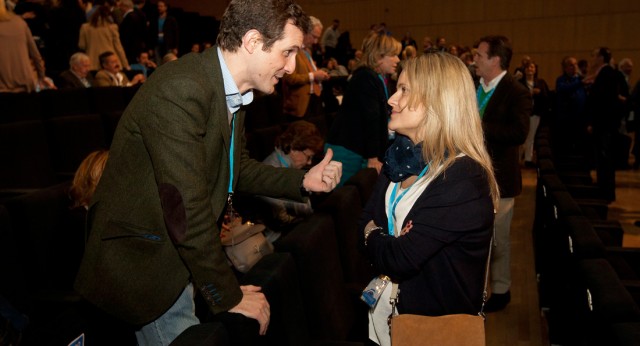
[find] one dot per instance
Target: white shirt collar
(494, 82)
(230, 87)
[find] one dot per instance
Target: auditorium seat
(71, 139)
(20, 107)
(108, 99)
(66, 102)
(312, 243)
(25, 161)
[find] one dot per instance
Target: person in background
(359, 135)
(428, 224)
(329, 40)
(78, 75)
(334, 69)
(145, 65)
(164, 30)
(301, 89)
(111, 73)
(294, 148)
(87, 177)
(605, 109)
(541, 107)
(409, 52)
(176, 159)
(16, 55)
(505, 106)
(133, 30)
(169, 57)
(427, 45)
(101, 35)
(568, 128)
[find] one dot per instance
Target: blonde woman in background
(87, 177)
(359, 135)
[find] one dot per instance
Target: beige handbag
(245, 245)
(458, 329)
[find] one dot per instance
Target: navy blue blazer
(440, 263)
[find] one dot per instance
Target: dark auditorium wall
(546, 30)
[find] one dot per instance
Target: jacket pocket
(120, 229)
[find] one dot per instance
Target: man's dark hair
(269, 17)
(103, 57)
(501, 47)
(605, 53)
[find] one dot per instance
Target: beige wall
(546, 30)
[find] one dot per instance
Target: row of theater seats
(589, 286)
(312, 281)
(44, 136)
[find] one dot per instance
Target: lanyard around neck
(483, 103)
(393, 201)
(231, 149)
(386, 91)
(313, 64)
(282, 160)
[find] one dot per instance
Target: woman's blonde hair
(376, 46)
(87, 177)
(441, 83)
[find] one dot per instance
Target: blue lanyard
(313, 64)
(282, 160)
(483, 105)
(393, 201)
(231, 149)
(386, 92)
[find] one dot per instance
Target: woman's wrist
(368, 231)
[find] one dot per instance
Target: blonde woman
(359, 135)
(101, 35)
(87, 177)
(428, 223)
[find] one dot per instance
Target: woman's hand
(254, 305)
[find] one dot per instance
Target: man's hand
(254, 305)
(324, 176)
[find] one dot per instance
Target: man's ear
(252, 40)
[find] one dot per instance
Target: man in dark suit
(78, 75)
(301, 89)
(177, 157)
(605, 110)
(505, 106)
(133, 30)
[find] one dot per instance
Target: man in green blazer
(178, 152)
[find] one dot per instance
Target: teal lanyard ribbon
(282, 160)
(231, 150)
(386, 91)
(393, 201)
(483, 99)
(310, 60)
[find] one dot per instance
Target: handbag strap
(486, 275)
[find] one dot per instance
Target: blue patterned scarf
(403, 159)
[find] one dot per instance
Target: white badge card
(374, 289)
